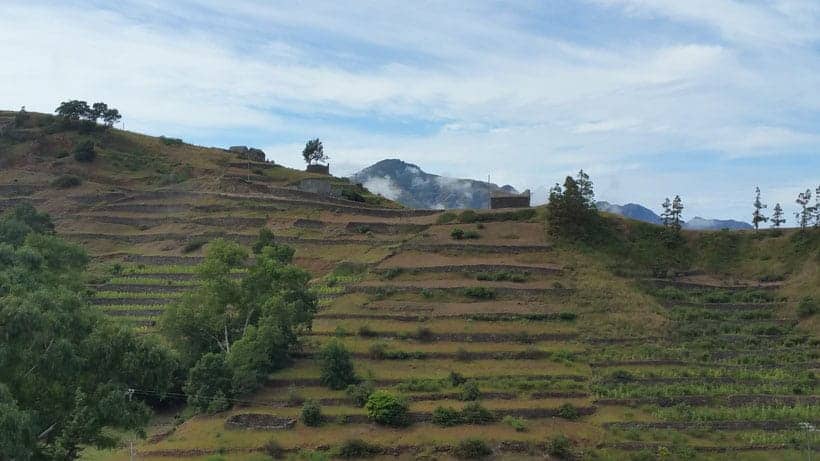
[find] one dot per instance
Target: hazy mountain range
(642, 213)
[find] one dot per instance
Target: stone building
(507, 200)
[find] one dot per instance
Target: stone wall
(319, 169)
(510, 201)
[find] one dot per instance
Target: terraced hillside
(535, 347)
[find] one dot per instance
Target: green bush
(807, 307)
(357, 449)
(446, 218)
(66, 181)
(366, 332)
(265, 238)
(447, 417)
(388, 409)
(360, 392)
(568, 411)
(472, 448)
(336, 366)
(471, 235)
(378, 351)
(469, 391)
(456, 379)
(392, 273)
(474, 413)
(468, 216)
(195, 244)
(457, 233)
(170, 141)
(560, 447)
(84, 152)
(479, 292)
(311, 414)
(519, 424)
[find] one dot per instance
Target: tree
(817, 207)
(336, 366)
(777, 216)
(571, 212)
(677, 213)
(209, 383)
(585, 188)
(757, 215)
(75, 110)
(387, 408)
(111, 116)
(314, 152)
(98, 109)
(311, 414)
(804, 215)
(666, 214)
(66, 369)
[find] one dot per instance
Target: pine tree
(677, 213)
(666, 215)
(777, 216)
(585, 188)
(804, 215)
(757, 215)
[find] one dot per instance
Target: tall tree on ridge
(677, 213)
(666, 214)
(777, 216)
(804, 215)
(757, 215)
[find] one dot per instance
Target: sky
(702, 98)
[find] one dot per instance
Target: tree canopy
(314, 152)
(67, 371)
(76, 110)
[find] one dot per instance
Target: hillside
(644, 214)
(409, 185)
(705, 359)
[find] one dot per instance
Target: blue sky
(702, 98)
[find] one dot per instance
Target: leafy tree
(336, 366)
(21, 117)
(266, 238)
(804, 215)
(209, 383)
(111, 116)
(777, 216)
(571, 213)
(677, 213)
(69, 375)
(311, 414)
(666, 214)
(74, 110)
(757, 215)
(314, 152)
(98, 109)
(388, 409)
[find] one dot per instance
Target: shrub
(366, 332)
(294, 398)
(474, 413)
(265, 238)
(472, 448)
(567, 316)
(519, 424)
(311, 414)
(377, 351)
(446, 217)
(66, 181)
(568, 411)
(456, 379)
(388, 409)
(560, 447)
(273, 449)
(469, 391)
(479, 292)
(357, 449)
(807, 307)
(352, 195)
(336, 366)
(84, 152)
(471, 234)
(392, 273)
(468, 216)
(447, 417)
(195, 244)
(170, 141)
(457, 233)
(360, 392)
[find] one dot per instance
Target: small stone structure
(506, 200)
(318, 169)
(316, 186)
(251, 153)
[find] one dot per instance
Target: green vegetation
(84, 152)
(311, 414)
(472, 448)
(560, 447)
(356, 449)
(66, 181)
(479, 292)
(337, 367)
(387, 408)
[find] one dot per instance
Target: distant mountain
(642, 213)
(409, 185)
(698, 223)
(631, 210)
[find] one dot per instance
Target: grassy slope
(621, 327)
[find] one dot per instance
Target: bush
(568, 411)
(388, 409)
(377, 351)
(366, 332)
(446, 217)
(479, 292)
(352, 195)
(170, 141)
(519, 424)
(472, 448)
(471, 234)
(66, 181)
(357, 449)
(468, 217)
(273, 449)
(208, 384)
(457, 233)
(807, 307)
(474, 413)
(447, 417)
(336, 366)
(567, 316)
(360, 392)
(456, 379)
(294, 398)
(265, 238)
(84, 152)
(194, 245)
(311, 414)
(560, 447)
(469, 391)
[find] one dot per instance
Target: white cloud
(383, 186)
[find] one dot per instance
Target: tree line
(76, 111)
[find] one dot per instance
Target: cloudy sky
(702, 98)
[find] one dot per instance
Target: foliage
(519, 424)
(66, 369)
(194, 244)
(457, 233)
(209, 383)
(568, 411)
(447, 417)
(472, 448)
(560, 447)
(74, 111)
(474, 413)
(336, 366)
(468, 216)
(66, 181)
(388, 409)
(571, 212)
(479, 292)
(360, 392)
(314, 152)
(84, 152)
(175, 142)
(469, 391)
(807, 307)
(357, 449)
(446, 217)
(502, 276)
(311, 414)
